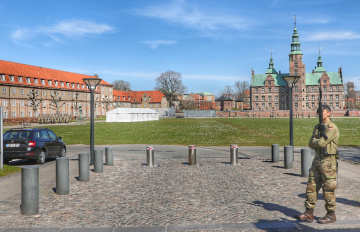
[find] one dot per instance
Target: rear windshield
(17, 135)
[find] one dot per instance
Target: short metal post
(275, 153)
(99, 161)
(305, 161)
(234, 154)
(192, 154)
(150, 156)
(62, 176)
(288, 157)
(30, 190)
(84, 167)
(109, 156)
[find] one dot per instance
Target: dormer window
(72, 85)
(35, 81)
(28, 80)
(20, 79)
(12, 79)
(50, 82)
(43, 82)
(62, 83)
(3, 77)
(83, 86)
(68, 84)
(56, 83)
(78, 86)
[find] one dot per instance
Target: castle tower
(297, 68)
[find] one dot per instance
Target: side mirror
(60, 138)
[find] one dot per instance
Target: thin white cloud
(211, 77)
(156, 43)
(180, 12)
(332, 35)
(73, 28)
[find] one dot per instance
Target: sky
(212, 43)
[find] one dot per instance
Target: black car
(35, 144)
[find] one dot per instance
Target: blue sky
(212, 43)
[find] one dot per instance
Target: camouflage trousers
(322, 173)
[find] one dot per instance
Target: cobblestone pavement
(255, 195)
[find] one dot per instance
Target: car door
(48, 143)
(57, 145)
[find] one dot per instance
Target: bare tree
(228, 90)
(56, 102)
(240, 90)
(350, 95)
(121, 85)
(35, 103)
(170, 84)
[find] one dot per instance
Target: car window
(44, 135)
(16, 134)
(52, 135)
(37, 135)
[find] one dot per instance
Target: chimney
(313, 71)
(279, 71)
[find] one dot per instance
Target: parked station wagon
(33, 144)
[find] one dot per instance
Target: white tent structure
(131, 115)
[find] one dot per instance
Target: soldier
(323, 170)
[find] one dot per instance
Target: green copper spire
(271, 69)
(319, 67)
(295, 44)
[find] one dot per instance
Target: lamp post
(91, 84)
(291, 80)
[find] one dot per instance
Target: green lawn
(207, 132)
(9, 170)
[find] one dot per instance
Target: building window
(44, 92)
(307, 97)
(22, 91)
(262, 105)
(325, 88)
(4, 90)
(269, 82)
(269, 90)
(312, 89)
(269, 98)
(20, 79)
(50, 82)
(68, 84)
(337, 97)
(13, 90)
(56, 83)
(331, 104)
(28, 80)
(83, 86)
(313, 105)
(4, 103)
(72, 85)
(296, 97)
(337, 88)
(62, 83)
(14, 114)
(337, 104)
(262, 98)
(262, 90)
(276, 89)
(78, 86)
(22, 103)
(325, 97)
(256, 90)
(43, 82)
(276, 105)
(313, 97)
(2, 77)
(276, 98)
(35, 81)
(296, 89)
(331, 97)
(12, 79)
(13, 102)
(269, 105)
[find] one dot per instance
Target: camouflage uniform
(323, 168)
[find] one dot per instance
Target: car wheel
(63, 152)
(42, 157)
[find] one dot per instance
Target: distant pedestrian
(323, 171)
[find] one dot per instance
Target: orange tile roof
(45, 77)
(156, 96)
(119, 96)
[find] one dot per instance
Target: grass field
(9, 170)
(207, 132)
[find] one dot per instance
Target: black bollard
(30, 190)
(234, 154)
(192, 154)
(275, 153)
(288, 157)
(99, 161)
(62, 176)
(305, 161)
(84, 167)
(109, 156)
(150, 156)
